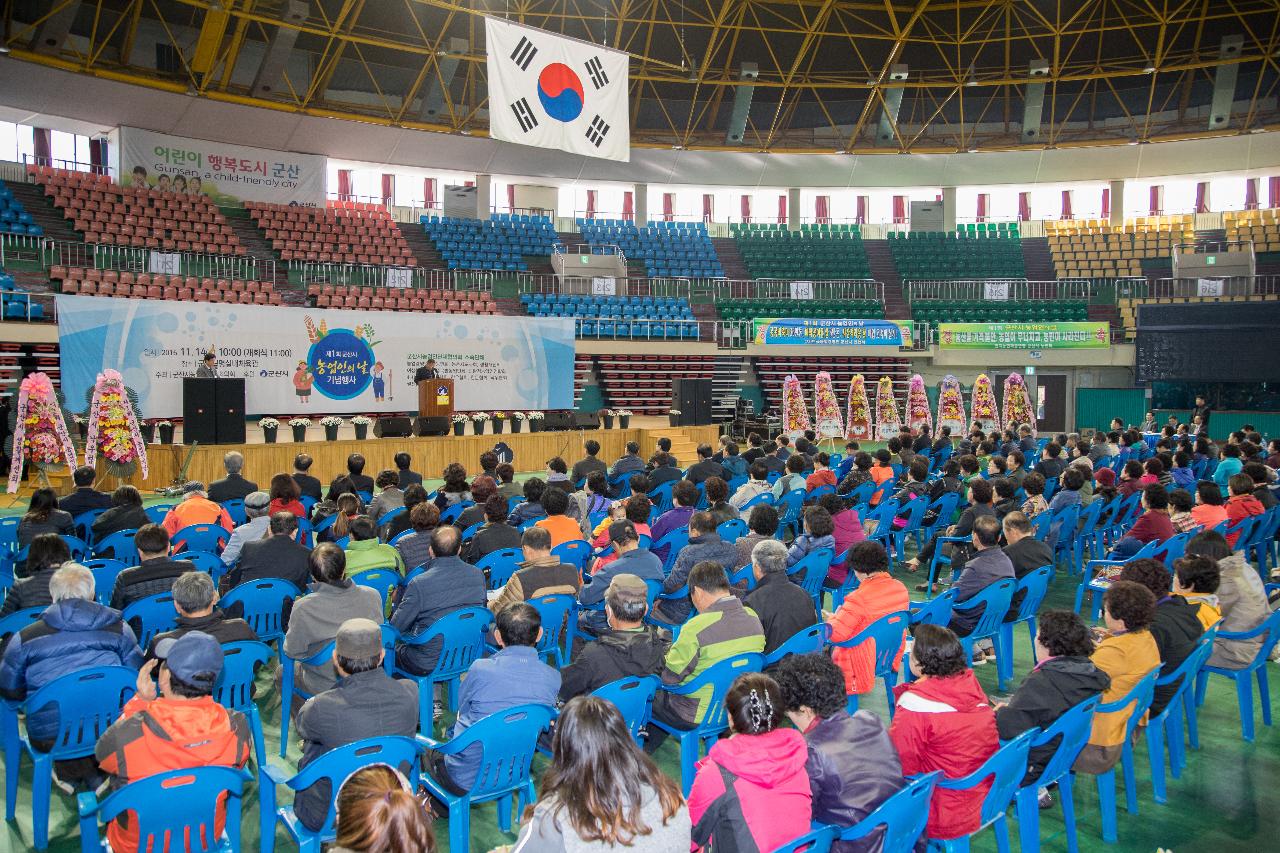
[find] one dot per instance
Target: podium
(435, 407)
(213, 411)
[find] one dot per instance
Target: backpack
(723, 827)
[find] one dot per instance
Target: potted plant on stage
(166, 431)
(498, 419)
(270, 426)
(673, 416)
(299, 427)
(459, 423)
(477, 422)
(148, 430)
(535, 421)
(361, 423)
(624, 418)
(517, 421)
(331, 424)
(607, 415)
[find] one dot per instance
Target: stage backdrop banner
(307, 360)
(800, 331)
(222, 172)
(1023, 336)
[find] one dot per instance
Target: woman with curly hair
(455, 489)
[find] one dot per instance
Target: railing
(108, 256)
(1168, 288)
(357, 275)
(478, 280)
(21, 247)
(1012, 289)
(66, 165)
(589, 249)
(766, 288)
(624, 286)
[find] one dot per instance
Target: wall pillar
(484, 195)
(640, 202)
(1117, 202)
(793, 209)
(949, 208)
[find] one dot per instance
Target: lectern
(435, 398)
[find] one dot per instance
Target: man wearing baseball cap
(256, 505)
(365, 703)
(629, 647)
(178, 727)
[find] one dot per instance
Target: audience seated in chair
(364, 551)
(629, 559)
(1175, 625)
(45, 555)
(818, 533)
(541, 572)
(988, 565)
(405, 475)
(85, 497)
(589, 464)
(1197, 580)
(414, 495)
(783, 607)
(1241, 504)
(258, 518)
(483, 487)
(232, 487)
(389, 495)
(757, 485)
(628, 463)
(308, 486)
(877, 595)
(447, 584)
(634, 509)
(377, 812)
(1242, 600)
(43, 516)
(495, 534)
(285, 494)
(762, 524)
(155, 572)
(559, 526)
(196, 601)
(277, 555)
(705, 545)
(705, 467)
(361, 481)
(125, 513)
(196, 508)
(1152, 526)
(530, 509)
(626, 647)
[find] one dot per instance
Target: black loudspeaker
(586, 420)
(556, 421)
(199, 421)
(431, 426)
(692, 398)
(228, 398)
(393, 427)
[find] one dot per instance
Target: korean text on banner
(798, 331)
(299, 360)
(551, 91)
(1028, 336)
(220, 171)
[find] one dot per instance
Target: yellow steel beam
(212, 31)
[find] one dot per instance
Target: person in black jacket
(784, 607)
(126, 513)
(43, 516)
(1064, 678)
(407, 476)
(308, 486)
(705, 467)
(664, 470)
(278, 555)
(85, 497)
(1176, 627)
(852, 765)
(232, 487)
(494, 535)
(629, 647)
(1051, 465)
(355, 473)
(45, 556)
(196, 601)
(1025, 551)
(155, 572)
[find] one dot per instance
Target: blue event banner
(808, 331)
(302, 360)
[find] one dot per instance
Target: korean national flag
(556, 92)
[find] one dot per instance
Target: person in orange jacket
(877, 595)
(196, 508)
(1241, 505)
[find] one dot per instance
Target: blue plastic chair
(462, 634)
(507, 740)
(450, 514)
(814, 841)
(335, 766)
(84, 523)
(9, 531)
(802, 642)
(211, 538)
(1167, 725)
(559, 612)
(18, 620)
(385, 581)
(732, 530)
(1034, 586)
(994, 601)
(912, 513)
(1256, 668)
(1005, 768)
(87, 703)
(719, 676)
(764, 498)
(263, 604)
(389, 516)
(234, 689)
(1096, 588)
(790, 511)
(674, 541)
(467, 535)
(903, 816)
(575, 552)
(934, 611)
(1071, 731)
(150, 616)
(886, 634)
(171, 806)
(633, 697)
(500, 565)
(235, 509)
(810, 571)
(104, 576)
(660, 496)
(119, 546)
(941, 559)
(158, 512)
(1137, 701)
(206, 562)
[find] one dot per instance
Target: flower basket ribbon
(110, 394)
(35, 396)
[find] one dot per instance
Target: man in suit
(308, 486)
(278, 555)
(233, 486)
(208, 368)
(407, 476)
(427, 371)
(705, 467)
(85, 497)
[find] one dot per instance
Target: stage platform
(430, 455)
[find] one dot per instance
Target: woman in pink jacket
(752, 786)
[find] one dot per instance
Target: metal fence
(108, 256)
(1180, 288)
(590, 249)
(764, 288)
(26, 248)
(1012, 289)
(357, 275)
(585, 285)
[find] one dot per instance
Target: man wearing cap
(627, 646)
(255, 510)
(365, 703)
(196, 601)
(175, 728)
(632, 561)
(196, 508)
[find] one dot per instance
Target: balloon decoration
(985, 416)
(951, 405)
(888, 421)
(113, 429)
(1017, 402)
(826, 408)
(795, 414)
(918, 412)
(858, 416)
(40, 434)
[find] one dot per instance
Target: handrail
(772, 288)
(589, 249)
(623, 286)
(1017, 289)
(111, 256)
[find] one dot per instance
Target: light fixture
(1150, 69)
(973, 150)
(971, 82)
(4, 48)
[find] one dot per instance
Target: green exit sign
(1210, 259)
(586, 259)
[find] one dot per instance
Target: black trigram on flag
(595, 70)
(524, 54)
(524, 115)
(597, 131)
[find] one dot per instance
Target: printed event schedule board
(1031, 336)
(295, 360)
(808, 331)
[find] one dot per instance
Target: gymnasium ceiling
(1110, 71)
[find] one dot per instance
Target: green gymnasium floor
(1227, 801)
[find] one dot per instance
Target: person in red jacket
(1241, 505)
(1154, 525)
(752, 786)
(944, 722)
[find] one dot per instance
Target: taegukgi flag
(552, 91)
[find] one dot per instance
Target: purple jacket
(670, 520)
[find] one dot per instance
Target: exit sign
(1210, 260)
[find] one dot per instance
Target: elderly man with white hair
(232, 487)
(784, 607)
(196, 508)
(196, 601)
(256, 511)
(74, 633)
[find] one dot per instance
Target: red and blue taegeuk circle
(560, 91)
